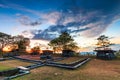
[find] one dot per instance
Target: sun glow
(7, 49)
(42, 44)
(10, 47)
(28, 49)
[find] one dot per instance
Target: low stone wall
(72, 65)
(21, 73)
(13, 73)
(10, 54)
(3, 59)
(9, 72)
(35, 66)
(16, 72)
(27, 60)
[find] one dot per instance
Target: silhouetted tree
(4, 39)
(63, 42)
(103, 41)
(23, 43)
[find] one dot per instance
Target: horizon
(45, 20)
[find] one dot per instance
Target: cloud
(79, 17)
(51, 17)
(91, 24)
(3, 6)
(54, 31)
(25, 20)
(30, 33)
(95, 29)
(8, 4)
(43, 18)
(27, 34)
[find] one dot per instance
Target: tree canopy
(103, 41)
(4, 35)
(63, 42)
(19, 40)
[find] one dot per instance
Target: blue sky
(114, 29)
(46, 19)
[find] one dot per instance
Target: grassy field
(71, 59)
(9, 64)
(118, 57)
(93, 70)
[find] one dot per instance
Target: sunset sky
(85, 20)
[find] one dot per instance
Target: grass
(93, 70)
(70, 59)
(9, 64)
(5, 68)
(118, 57)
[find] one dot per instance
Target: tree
(103, 41)
(3, 35)
(23, 43)
(13, 41)
(63, 42)
(55, 43)
(4, 39)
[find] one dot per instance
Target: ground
(93, 70)
(9, 64)
(69, 60)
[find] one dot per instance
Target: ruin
(105, 53)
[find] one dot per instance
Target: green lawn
(5, 68)
(9, 64)
(93, 70)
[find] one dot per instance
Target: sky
(85, 20)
